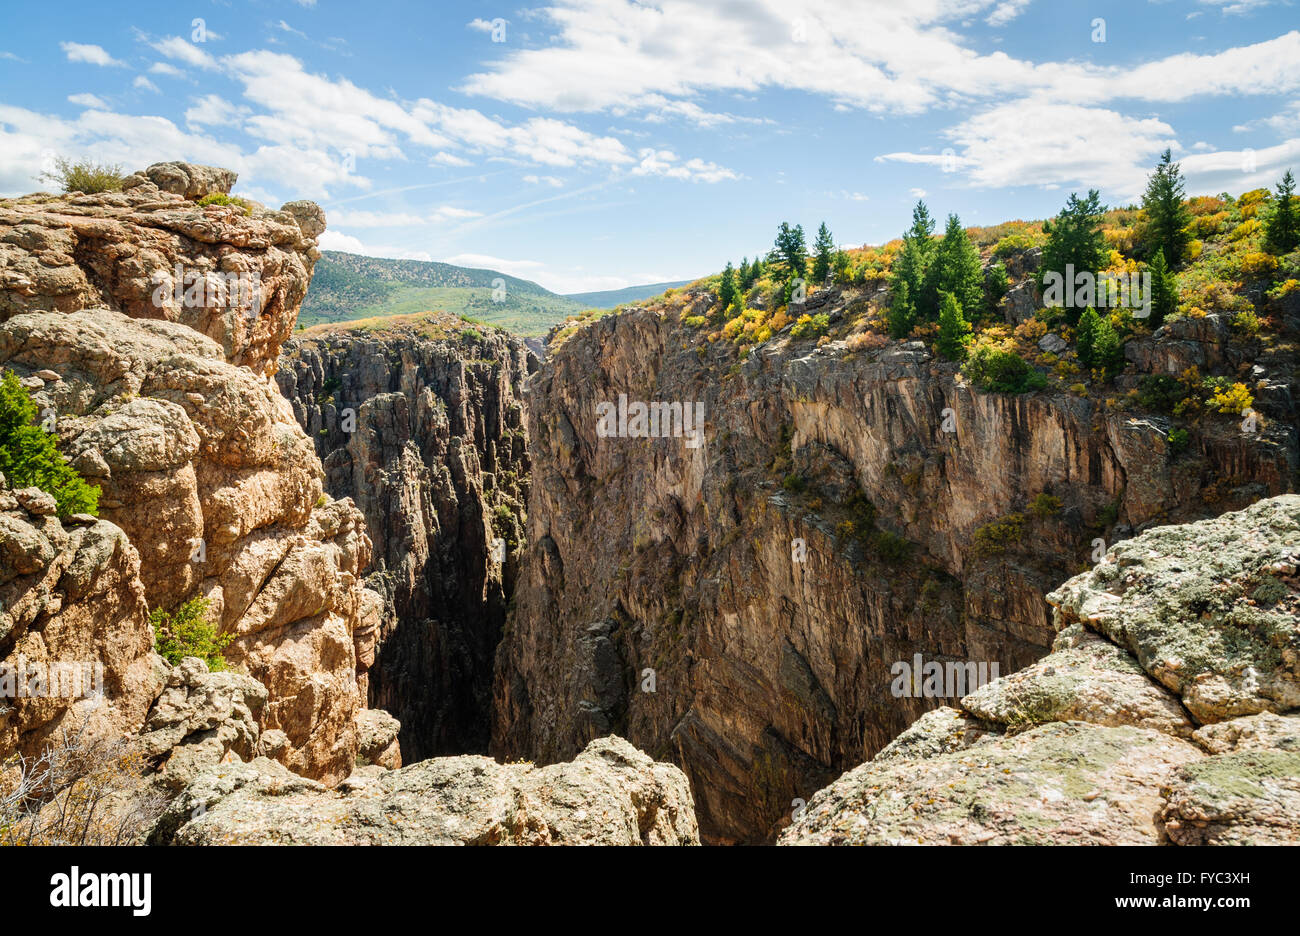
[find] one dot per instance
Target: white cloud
(622, 55)
(916, 192)
(9, 56)
(163, 68)
(854, 196)
(88, 100)
(482, 25)
(546, 180)
(212, 110)
(145, 84)
(1006, 11)
(447, 159)
(664, 163)
(174, 47)
(1033, 143)
(89, 54)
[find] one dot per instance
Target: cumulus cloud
(89, 54)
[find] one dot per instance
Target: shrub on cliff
(1001, 370)
(29, 456)
(187, 632)
(84, 176)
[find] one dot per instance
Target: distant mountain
(347, 286)
(608, 298)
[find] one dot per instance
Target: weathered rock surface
(772, 676)
(71, 601)
(124, 251)
(209, 487)
(1083, 752)
(610, 794)
(203, 467)
(437, 462)
(202, 718)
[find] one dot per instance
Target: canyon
(426, 546)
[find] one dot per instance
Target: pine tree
(756, 271)
(955, 269)
(840, 272)
(1107, 349)
(907, 275)
(1166, 215)
(1085, 340)
(823, 255)
(1282, 229)
(1164, 291)
(790, 251)
(1075, 239)
(902, 313)
(29, 456)
(727, 288)
(742, 274)
(954, 330)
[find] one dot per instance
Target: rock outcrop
(1166, 714)
(610, 794)
(209, 488)
(235, 273)
(421, 424)
(76, 648)
(741, 607)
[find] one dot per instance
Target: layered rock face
(124, 251)
(610, 794)
(72, 613)
(209, 487)
(750, 629)
(426, 435)
(1167, 713)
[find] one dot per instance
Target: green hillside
(609, 298)
(346, 287)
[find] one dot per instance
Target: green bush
(998, 536)
(1178, 439)
(1002, 371)
(1160, 392)
(84, 176)
(221, 198)
(1045, 505)
(187, 632)
(890, 546)
(810, 326)
(29, 456)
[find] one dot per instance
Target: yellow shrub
(1235, 399)
(1258, 264)
(1249, 203)
(1194, 250)
(1031, 330)
(1245, 229)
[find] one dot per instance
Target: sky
(596, 144)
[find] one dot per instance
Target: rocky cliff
(742, 607)
(209, 487)
(420, 422)
(1165, 714)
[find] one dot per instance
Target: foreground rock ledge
(610, 794)
(1166, 713)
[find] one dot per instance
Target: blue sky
(592, 144)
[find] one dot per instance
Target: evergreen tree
(742, 274)
(727, 288)
(1164, 290)
(823, 255)
(1107, 349)
(756, 271)
(1166, 215)
(790, 251)
(955, 269)
(907, 275)
(954, 330)
(902, 313)
(1282, 229)
(29, 456)
(1085, 339)
(1074, 238)
(840, 272)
